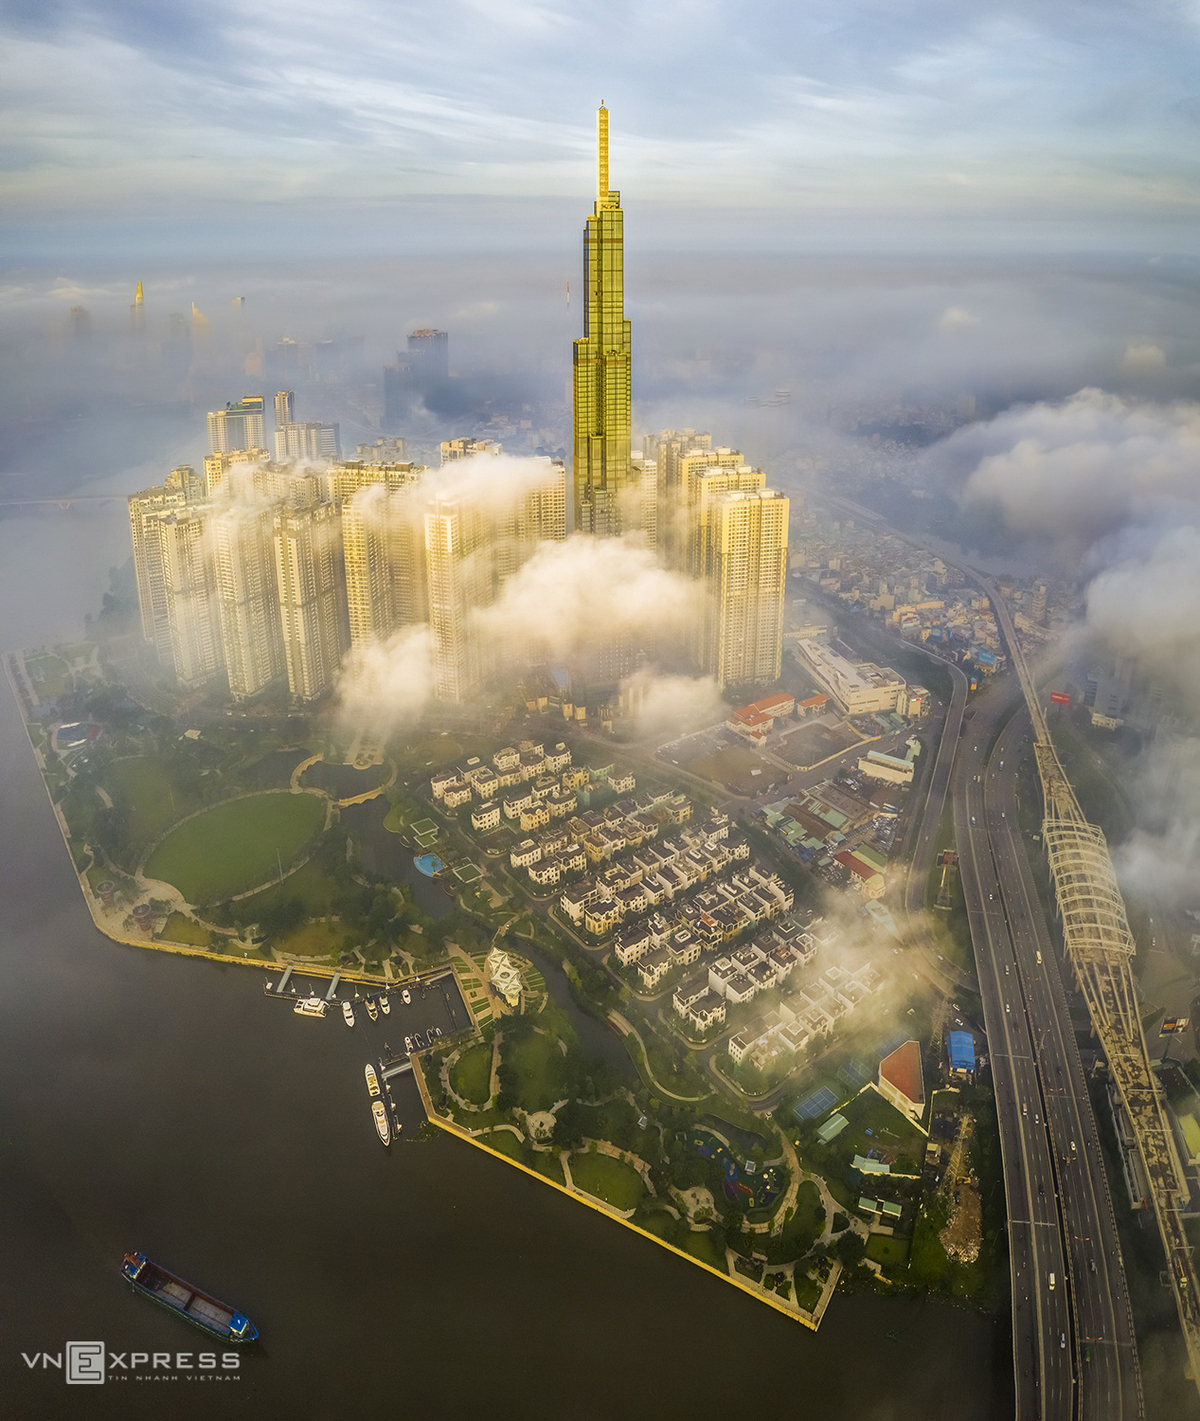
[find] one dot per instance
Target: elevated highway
(1100, 949)
(1074, 1349)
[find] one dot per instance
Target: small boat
(406, 997)
(408, 1044)
(372, 1012)
(311, 1006)
(347, 1013)
(381, 1122)
(201, 1309)
(372, 1080)
(385, 1006)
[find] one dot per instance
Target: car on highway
(1051, 1282)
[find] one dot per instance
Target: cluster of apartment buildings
(312, 565)
(255, 568)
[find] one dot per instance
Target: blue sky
(861, 110)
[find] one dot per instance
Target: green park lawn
(310, 885)
(179, 928)
(235, 845)
(614, 1121)
(471, 1073)
(313, 939)
(887, 1252)
(50, 675)
(550, 1165)
(143, 789)
(612, 1180)
(539, 1068)
(803, 1228)
(504, 1142)
(808, 1291)
(701, 1245)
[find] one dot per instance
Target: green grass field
(612, 1180)
(181, 929)
(551, 1166)
(235, 845)
(310, 884)
(701, 1244)
(888, 1252)
(538, 1066)
(614, 1121)
(143, 789)
(314, 939)
(504, 1142)
(471, 1073)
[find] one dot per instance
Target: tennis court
(854, 1074)
(815, 1104)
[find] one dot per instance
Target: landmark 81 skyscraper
(602, 362)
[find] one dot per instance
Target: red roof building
(902, 1079)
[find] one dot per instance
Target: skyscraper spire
(602, 362)
(601, 153)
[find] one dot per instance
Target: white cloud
(386, 688)
(1142, 358)
(1082, 467)
(571, 598)
(956, 318)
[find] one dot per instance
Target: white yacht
(372, 1080)
(347, 1013)
(381, 1122)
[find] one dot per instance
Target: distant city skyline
(1077, 113)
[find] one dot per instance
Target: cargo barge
(201, 1309)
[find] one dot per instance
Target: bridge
(1100, 949)
(65, 502)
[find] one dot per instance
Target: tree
(851, 1249)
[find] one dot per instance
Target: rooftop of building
(903, 1070)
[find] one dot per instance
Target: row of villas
(766, 961)
(482, 780)
(653, 874)
(595, 837)
(509, 767)
(806, 1015)
(700, 923)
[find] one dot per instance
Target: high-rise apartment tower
(602, 364)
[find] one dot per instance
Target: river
(153, 1102)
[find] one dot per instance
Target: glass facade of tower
(602, 364)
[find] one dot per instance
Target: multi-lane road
(1073, 1347)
